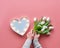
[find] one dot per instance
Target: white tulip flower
(51, 27)
(42, 22)
(48, 19)
(48, 33)
(44, 27)
(35, 18)
(44, 18)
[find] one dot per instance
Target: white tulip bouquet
(43, 26)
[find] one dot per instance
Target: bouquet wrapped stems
(42, 26)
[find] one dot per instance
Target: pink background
(31, 8)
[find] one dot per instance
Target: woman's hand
(36, 36)
(30, 35)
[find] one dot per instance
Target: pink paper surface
(31, 8)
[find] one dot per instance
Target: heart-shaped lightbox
(20, 26)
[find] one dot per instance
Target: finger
(32, 32)
(28, 33)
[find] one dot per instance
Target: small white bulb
(17, 31)
(25, 29)
(19, 22)
(27, 21)
(51, 27)
(44, 18)
(27, 25)
(11, 24)
(13, 28)
(14, 21)
(42, 22)
(35, 18)
(24, 18)
(48, 19)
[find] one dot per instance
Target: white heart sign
(20, 26)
